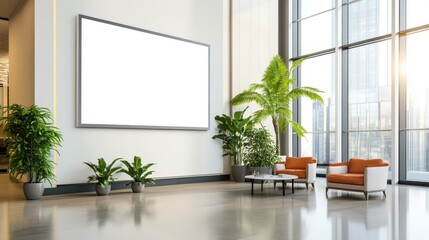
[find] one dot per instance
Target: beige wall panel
(21, 54)
(254, 43)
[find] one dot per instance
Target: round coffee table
(281, 177)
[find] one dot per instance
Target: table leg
(252, 181)
(262, 185)
(283, 186)
(293, 190)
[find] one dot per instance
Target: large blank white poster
(133, 78)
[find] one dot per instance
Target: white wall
(176, 153)
(254, 43)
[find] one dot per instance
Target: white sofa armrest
(375, 178)
(311, 172)
(279, 166)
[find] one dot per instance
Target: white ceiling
(7, 7)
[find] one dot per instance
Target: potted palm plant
(234, 131)
(139, 173)
(275, 95)
(103, 175)
(30, 138)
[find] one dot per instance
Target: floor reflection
(40, 217)
(102, 211)
(354, 218)
(221, 210)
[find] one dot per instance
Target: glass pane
(417, 109)
(311, 7)
(417, 80)
(319, 145)
(368, 145)
(318, 118)
(370, 87)
(417, 155)
(317, 33)
(368, 19)
(417, 13)
(319, 72)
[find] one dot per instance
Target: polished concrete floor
(218, 210)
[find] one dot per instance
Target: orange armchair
(358, 175)
(303, 167)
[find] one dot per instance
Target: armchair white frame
(375, 180)
(310, 173)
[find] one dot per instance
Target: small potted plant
(261, 152)
(103, 175)
(139, 173)
(30, 138)
(234, 131)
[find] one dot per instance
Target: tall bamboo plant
(275, 94)
(30, 139)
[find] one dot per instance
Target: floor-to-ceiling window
(355, 38)
(319, 119)
(322, 35)
(314, 37)
(367, 64)
(361, 53)
(414, 137)
(369, 101)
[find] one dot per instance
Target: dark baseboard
(320, 175)
(90, 187)
(426, 184)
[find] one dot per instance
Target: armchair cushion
(356, 165)
(298, 162)
(301, 173)
(347, 178)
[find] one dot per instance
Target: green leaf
(261, 150)
(137, 171)
(30, 139)
(275, 95)
(103, 173)
(233, 131)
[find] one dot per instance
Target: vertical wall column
(254, 44)
(283, 6)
